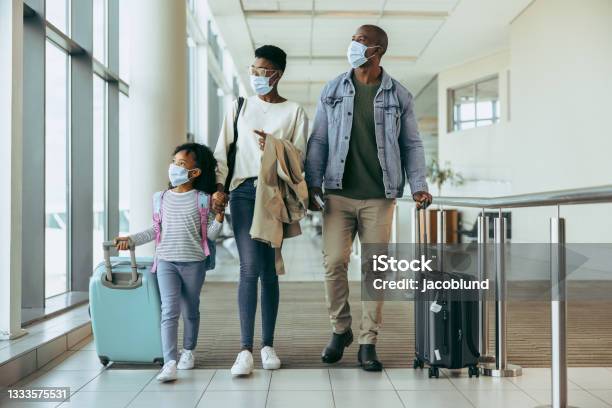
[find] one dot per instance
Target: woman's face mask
(356, 54)
(263, 79)
(178, 175)
(261, 84)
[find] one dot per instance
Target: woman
(266, 114)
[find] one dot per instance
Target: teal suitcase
(125, 310)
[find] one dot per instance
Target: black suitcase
(446, 326)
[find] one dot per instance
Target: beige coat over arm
(282, 196)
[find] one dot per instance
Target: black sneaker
(335, 348)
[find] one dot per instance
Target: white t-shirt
(285, 120)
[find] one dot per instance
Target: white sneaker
(269, 359)
(243, 364)
(168, 372)
(186, 362)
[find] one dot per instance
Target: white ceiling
(425, 36)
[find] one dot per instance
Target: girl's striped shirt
(181, 231)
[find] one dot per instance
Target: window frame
(453, 109)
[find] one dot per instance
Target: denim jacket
(400, 148)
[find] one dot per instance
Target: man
(363, 146)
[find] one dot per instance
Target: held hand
(220, 216)
(219, 201)
(122, 243)
(422, 198)
(261, 138)
(312, 203)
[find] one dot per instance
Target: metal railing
(497, 365)
(587, 195)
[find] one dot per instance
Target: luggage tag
(435, 307)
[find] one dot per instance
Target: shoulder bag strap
(231, 151)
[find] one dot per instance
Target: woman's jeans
(256, 262)
(180, 284)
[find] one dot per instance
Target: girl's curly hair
(206, 162)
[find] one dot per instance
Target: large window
(124, 166)
(124, 34)
(58, 12)
(475, 105)
(192, 90)
(99, 30)
(56, 170)
(73, 86)
(99, 167)
(212, 80)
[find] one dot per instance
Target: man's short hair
(273, 54)
(381, 36)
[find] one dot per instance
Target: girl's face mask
(178, 175)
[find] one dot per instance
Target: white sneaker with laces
(243, 364)
(168, 372)
(269, 359)
(187, 361)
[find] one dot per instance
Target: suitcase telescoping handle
(107, 245)
(422, 211)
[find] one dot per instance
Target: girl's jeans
(256, 262)
(180, 284)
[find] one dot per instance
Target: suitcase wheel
(104, 360)
(159, 360)
(434, 372)
(417, 363)
(473, 370)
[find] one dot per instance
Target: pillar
(158, 100)
(11, 136)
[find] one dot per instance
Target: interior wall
(555, 82)
(478, 154)
(561, 89)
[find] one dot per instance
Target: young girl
(182, 249)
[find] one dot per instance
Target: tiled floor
(93, 386)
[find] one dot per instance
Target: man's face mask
(356, 53)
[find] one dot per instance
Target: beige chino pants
(343, 218)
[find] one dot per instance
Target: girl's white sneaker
(187, 361)
(168, 372)
(243, 364)
(269, 359)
